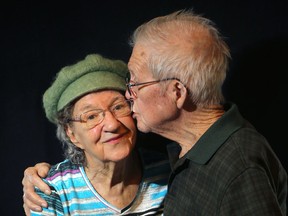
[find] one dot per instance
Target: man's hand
(32, 177)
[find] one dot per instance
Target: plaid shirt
(231, 170)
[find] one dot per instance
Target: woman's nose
(110, 121)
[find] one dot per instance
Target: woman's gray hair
(186, 46)
(71, 151)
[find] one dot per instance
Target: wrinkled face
(111, 140)
(151, 109)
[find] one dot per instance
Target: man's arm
(32, 177)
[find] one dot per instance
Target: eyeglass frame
(129, 85)
(101, 111)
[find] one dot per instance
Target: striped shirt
(73, 194)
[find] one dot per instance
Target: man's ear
(72, 137)
(180, 94)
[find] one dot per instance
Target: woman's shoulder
(62, 169)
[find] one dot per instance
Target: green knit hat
(91, 74)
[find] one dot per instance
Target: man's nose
(127, 95)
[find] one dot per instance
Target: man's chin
(143, 128)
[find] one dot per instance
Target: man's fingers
(42, 169)
(26, 210)
(28, 205)
(32, 179)
(33, 200)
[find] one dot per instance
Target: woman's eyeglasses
(94, 117)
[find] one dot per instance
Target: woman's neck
(117, 182)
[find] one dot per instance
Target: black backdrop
(38, 38)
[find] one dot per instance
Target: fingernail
(47, 192)
(44, 205)
(38, 209)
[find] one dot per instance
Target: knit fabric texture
(94, 73)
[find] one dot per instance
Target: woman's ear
(72, 137)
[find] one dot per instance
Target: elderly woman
(103, 173)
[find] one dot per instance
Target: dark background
(38, 38)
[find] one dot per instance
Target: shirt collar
(216, 135)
